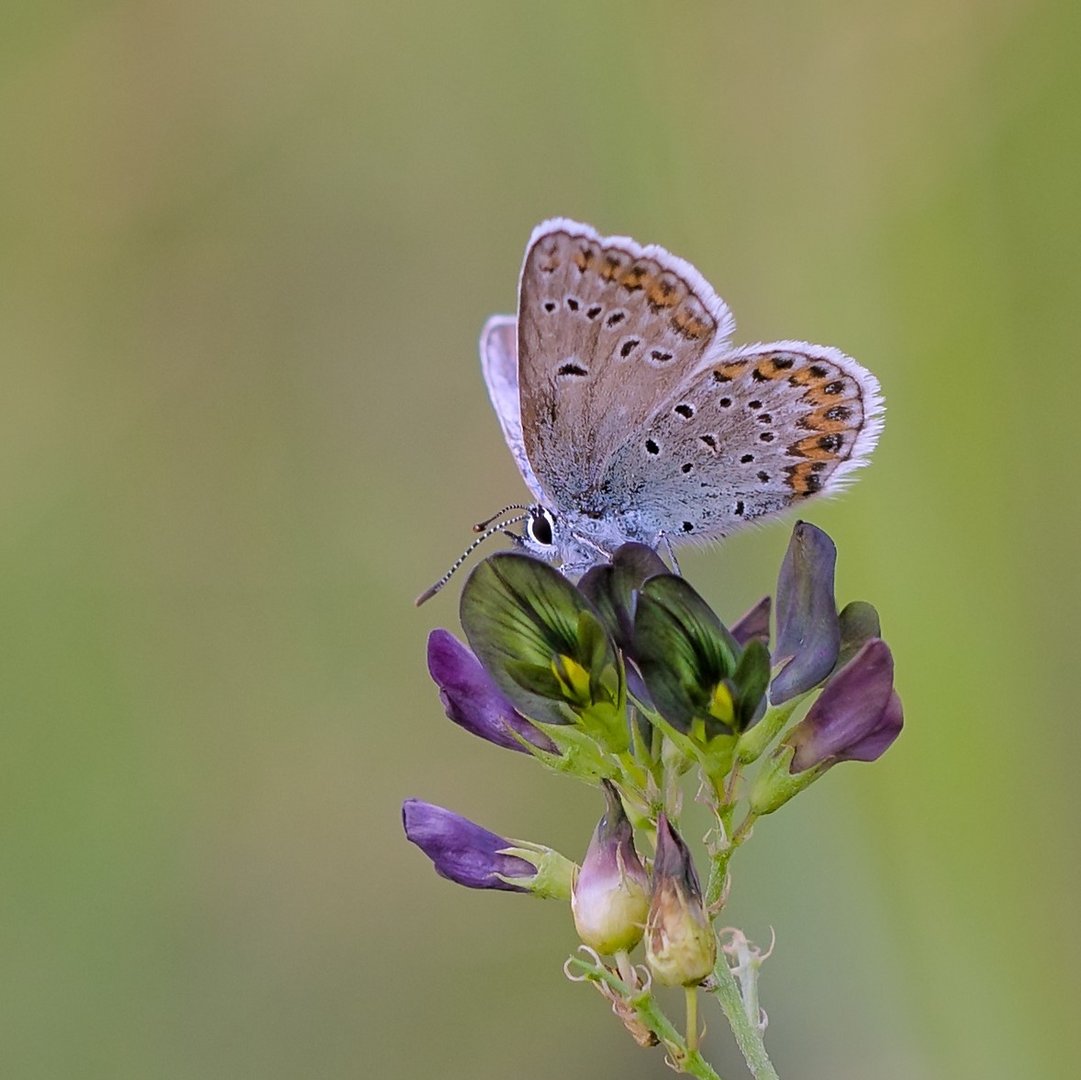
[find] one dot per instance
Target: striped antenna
(482, 525)
(429, 593)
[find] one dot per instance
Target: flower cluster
(629, 680)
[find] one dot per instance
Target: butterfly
(632, 417)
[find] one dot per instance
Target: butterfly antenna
(429, 593)
(482, 525)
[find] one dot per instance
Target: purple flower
(610, 900)
(464, 852)
(856, 718)
(808, 630)
(472, 699)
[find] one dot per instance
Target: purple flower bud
(857, 716)
(472, 699)
(808, 630)
(680, 945)
(610, 899)
(472, 856)
(755, 624)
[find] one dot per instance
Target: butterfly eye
(540, 525)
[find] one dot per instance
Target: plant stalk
(744, 1028)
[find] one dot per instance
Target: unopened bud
(471, 855)
(610, 899)
(680, 946)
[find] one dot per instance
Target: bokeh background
(245, 252)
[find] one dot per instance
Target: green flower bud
(704, 684)
(544, 646)
(688, 659)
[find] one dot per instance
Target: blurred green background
(245, 253)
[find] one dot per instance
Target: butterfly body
(631, 416)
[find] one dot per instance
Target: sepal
(775, 783)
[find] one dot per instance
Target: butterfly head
(542, 533)
(542, 537)
(575, 541)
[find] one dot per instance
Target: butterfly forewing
(763, 427)
(606, 329)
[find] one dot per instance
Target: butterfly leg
(583, 552)
(573, 571)
(663, 538)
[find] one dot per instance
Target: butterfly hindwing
(761, 428)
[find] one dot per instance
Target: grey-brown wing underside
(607, 329)
(761, 428)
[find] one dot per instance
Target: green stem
(730, 788)
(754, 742)
(719, 867)
(715, 884)
(645, 1006)
(743, 830)
(748, 1036)
(632, 770)
(691, 993)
